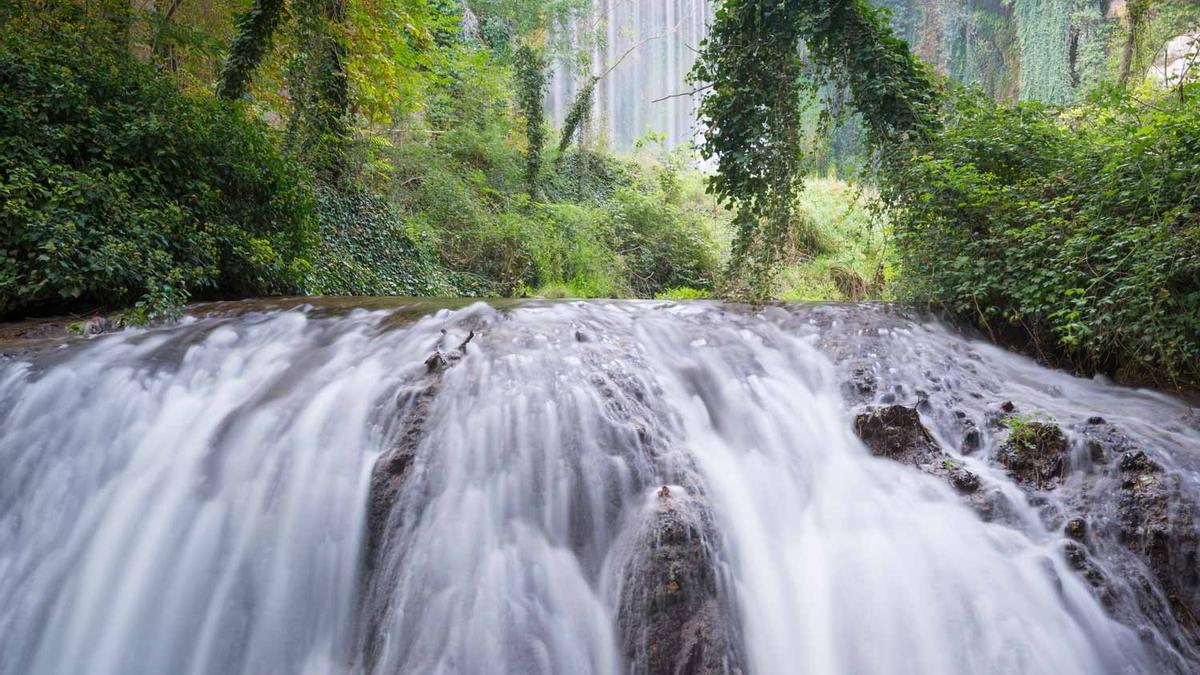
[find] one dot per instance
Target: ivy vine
(761, 61)
(530, 72)
(254, 31)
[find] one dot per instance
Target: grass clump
(848, 259)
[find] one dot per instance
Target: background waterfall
(1046, 50)
(657, 39)
(582, 487)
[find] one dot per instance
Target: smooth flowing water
(579, 488)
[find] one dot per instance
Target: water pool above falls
(583, 488)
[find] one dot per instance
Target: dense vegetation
(753, 127)
(315, 146)
(1073, 229)
(1077, 230)
(154, 154)
(114, 186)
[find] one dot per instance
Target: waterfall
(568, 487)
(650, 46)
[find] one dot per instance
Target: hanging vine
(320, 129)
(760, 77)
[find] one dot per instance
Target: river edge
(33, 335)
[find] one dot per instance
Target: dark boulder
(1076, 528)
(972, 441)
(1158, 521)
(672, 619)
(896, 432)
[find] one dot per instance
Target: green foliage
(849, 259)
(530, 80)
(503, 22)
(363, 248)
(751, 121)
(683, 293)
(607, 227)
(116, 189)
(1029, 432)
(319, 130)
(752, 116)
(1060, 43)
(256, 27)
(577, 116)
(1077, 229)
(661, 246)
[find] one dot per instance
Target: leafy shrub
(683, 293)
(1077, 228)
(663, 246)
(607, 228)
(848, 260)
(117, 189)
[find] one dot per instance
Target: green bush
(116, 189)
(607, 227)
(848, 243)
(662, 245)
(1079, 228)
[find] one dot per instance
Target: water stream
(569, 488)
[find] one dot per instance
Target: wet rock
(971, 442)
(861, 384)
(1077, 557)
(436, 362)
(896, 432)
(993, 506)
(1096, 419)
(388, 477)
(1138, 462)
(864, 382)
(1035, 454)
(1103, 441)
(1076, 528)
(963, 480)
(1158, 521)
(1008, 407)
(440, 360)
(671, 618)
(397, 465)
(923, 404)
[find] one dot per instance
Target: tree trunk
(255, 29)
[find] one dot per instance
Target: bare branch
(683, 93)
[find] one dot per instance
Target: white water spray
(194, 500)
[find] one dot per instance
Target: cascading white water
(650, 46)
(190, 500)
(193, 500)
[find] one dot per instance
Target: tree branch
(682, 93)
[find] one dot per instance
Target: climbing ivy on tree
(319, 130)
(530, 67)
(255, 29)
(752, 123)
(578, 115)
(762, 58)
